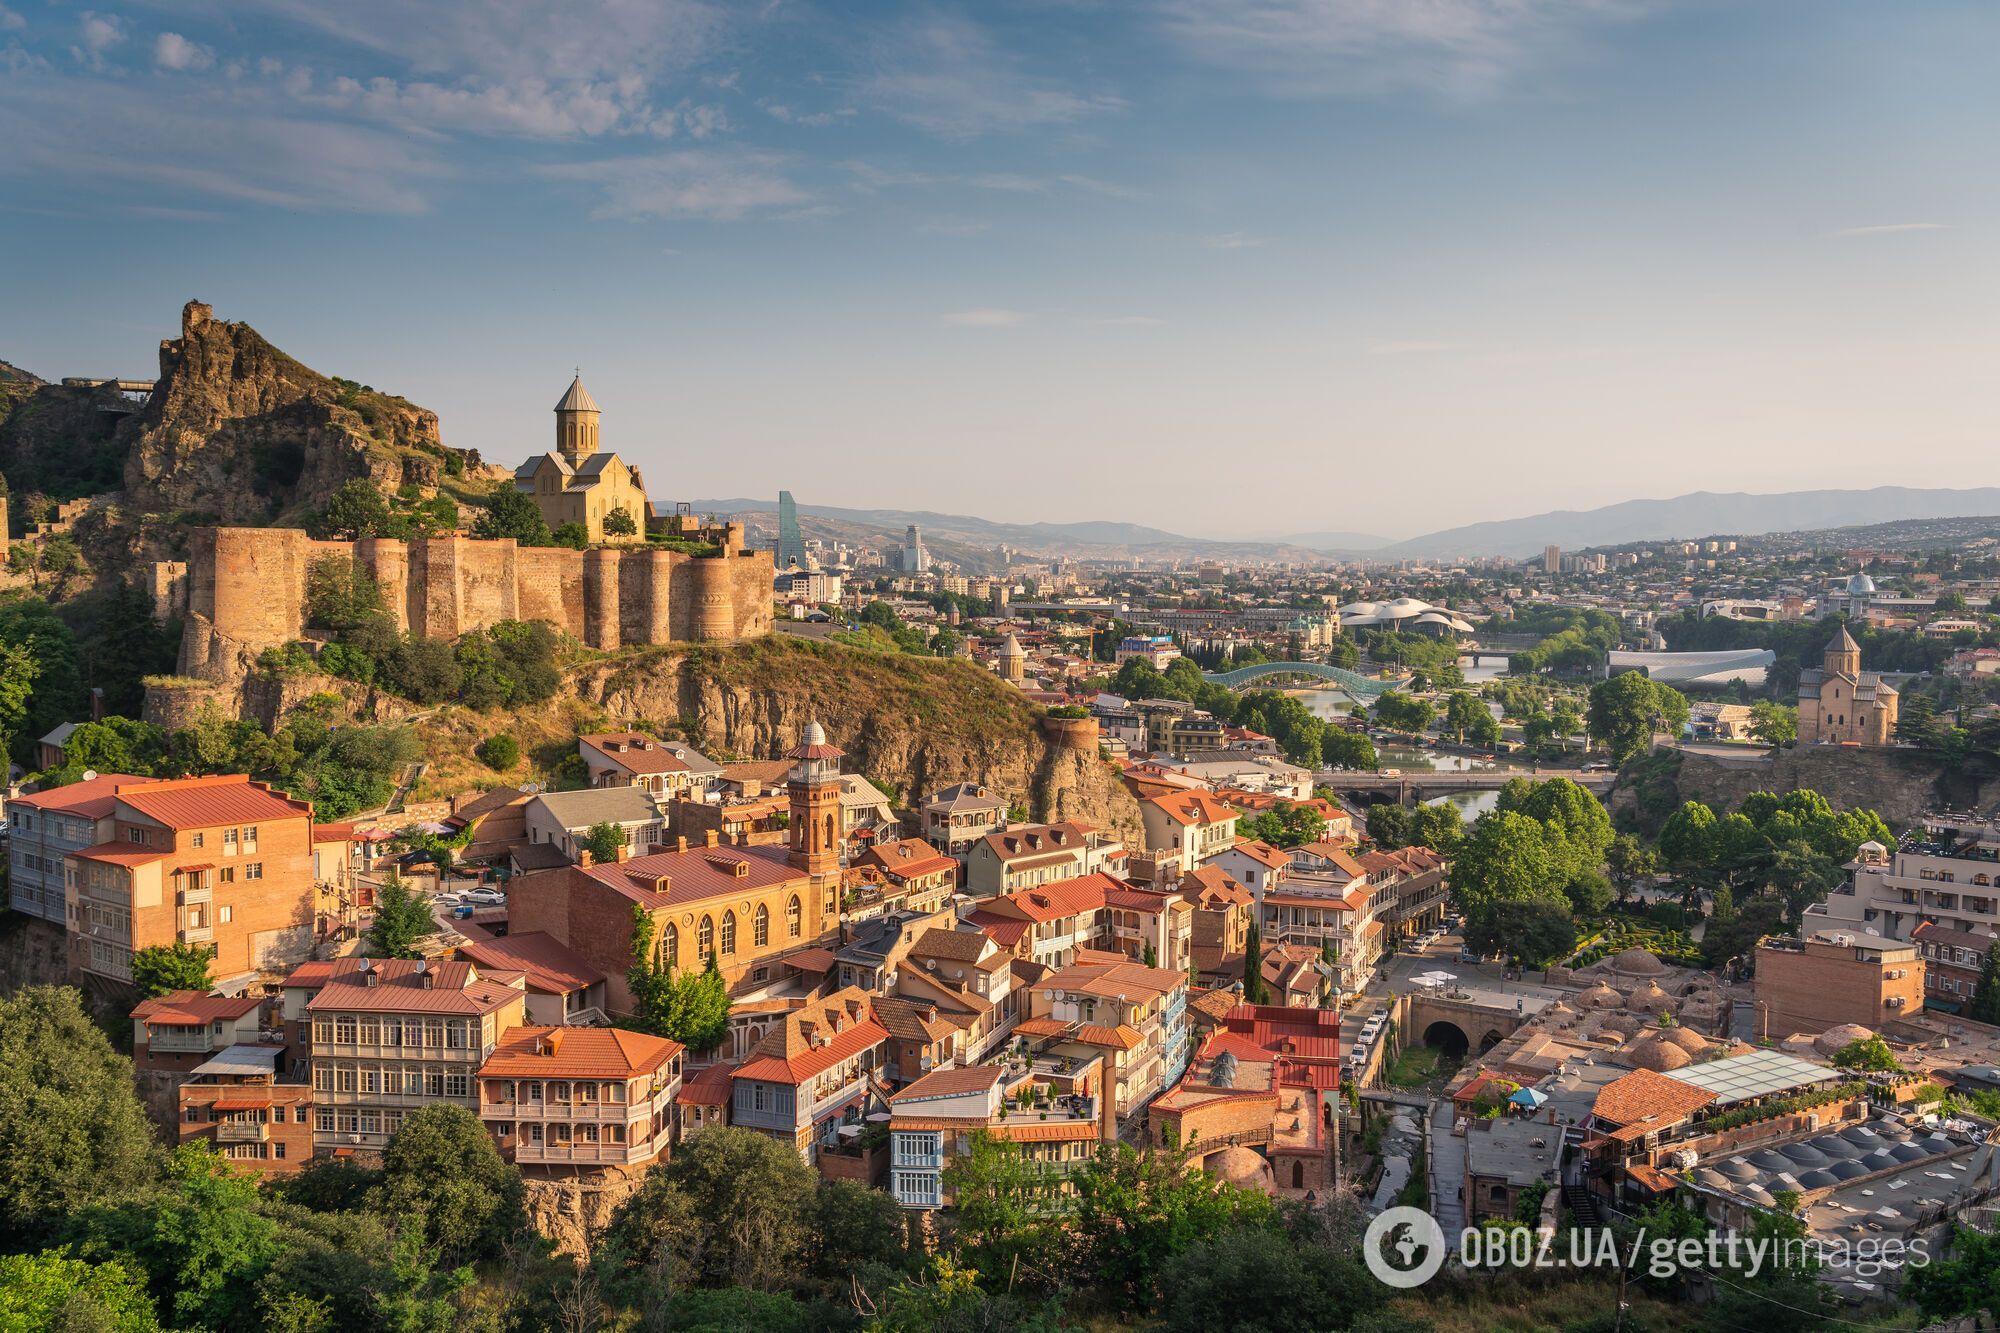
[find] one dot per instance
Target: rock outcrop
(238, 430)
(912, 724)
(234, 431)
(1897, 783)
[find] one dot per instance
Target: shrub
(499, 753)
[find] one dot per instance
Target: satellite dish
(89, 774)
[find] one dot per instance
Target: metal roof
(1755, 1074)
(243, 1061)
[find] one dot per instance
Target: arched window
(1298, 1175)
(760, 928)
(705, 937)
(792, 918)
(728, 933)
(831, 842)
(670, 947)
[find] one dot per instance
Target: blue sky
(1230, 267)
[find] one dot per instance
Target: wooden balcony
(241, 1131)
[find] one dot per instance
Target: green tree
(1401, 712)
(160, 968)
(510, 513)
(32, 625)
(1466, 715)
(1536, 931)
(951, 1301)
(1255, 989)
(691, 1008)
(733, 1208)
(442, 1174)
(356, 510)
(1340, 748)
(1139, 679)
(572, 534)
(401, 919)
(51, 1290)
(1964, 1281)
(1390, 825)
(1509, 858)
(1629, 861)
(72, 1131)
(1229, 1282)
(1985, 1006)
(1688, 840)
(604, 840)
(1774, 723)
(619, 523)
(1134, 1211)
(1870, 1054)
(1627, 710)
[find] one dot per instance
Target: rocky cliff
(912, 724)
(234, 431)
(1898, 784)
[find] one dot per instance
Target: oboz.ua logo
(1404, 1247)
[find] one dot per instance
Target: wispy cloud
(11, 21)
(1126, 322)
(692, 183)
(1232, 240)
(948, 77)
(1459, 49)
(171, 51)
(96, 34)
(983, 318)
(1408, 347)
(1891, 228)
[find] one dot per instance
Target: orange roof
(907, 858)
(1003, 931)
(455, 988)
(1019, 1130)
(950, 1082)
(1648, 1101)
(334, 832)
(193, 1008)
(552, 966)
(89, 800)
(1192, 807)
(815, 1038)
(708, 1087)
(1030, 840)
(231, 798)
(1258, 850)
(1042, 1027)
(1124, 1037)
(1051, 902)
(577, 1052)
(671, 878)
(635, 752)
(124, 853)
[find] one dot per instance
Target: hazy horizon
(1465, 260)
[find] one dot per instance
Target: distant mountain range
(1700, 514)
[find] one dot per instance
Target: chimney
(710, 838)
(681, 843)
(583, 857)
(624, 852)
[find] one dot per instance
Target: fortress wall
(246, 591)
(548, 585)
(751, 574)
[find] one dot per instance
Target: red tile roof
(231, 798)
(551, 966)
(907, 858)
(949, 1082)
(1052, 902)
(193, 1008)
(1002, 930)
(1122, 1037)
(577, 1052)
(1264, 852)
(456, 988)
(1312, 1033)
(121, 853)
(1644, 1099)
(816, 1038)
(709, 1086)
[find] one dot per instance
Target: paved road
(1445, 1164)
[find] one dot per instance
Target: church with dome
(1840, 702)
(577, 483)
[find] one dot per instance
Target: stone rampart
(245, 591)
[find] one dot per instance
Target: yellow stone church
(578, 484)
(1844, 703)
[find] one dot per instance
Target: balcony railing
(183, 1040)
(241, 1131)
(565, 1154)
(193, 894)
(548, 1110)
(197, 934)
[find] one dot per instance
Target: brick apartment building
(218, 861)
(45, 828)
(1812, 984)
(567, 1099)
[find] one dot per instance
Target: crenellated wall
(245, 591)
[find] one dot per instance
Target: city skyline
(1696, 246)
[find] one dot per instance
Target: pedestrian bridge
(1356, 684)
(1412, 787)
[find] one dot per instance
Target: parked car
(484, 897)
(1468, 956)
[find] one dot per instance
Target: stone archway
(1449, 1038)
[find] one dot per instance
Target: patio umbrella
(1528, 1097)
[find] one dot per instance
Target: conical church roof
(578, 398)
(1843, 642)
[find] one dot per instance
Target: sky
(1234, 268)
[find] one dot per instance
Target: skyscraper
(915, 558)
(1552, 560)
(791, 546)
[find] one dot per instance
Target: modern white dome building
(1407, 615)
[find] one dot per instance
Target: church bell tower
(815, 806)
(576, 424)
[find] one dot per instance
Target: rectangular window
(457, 1085)
(323, 1078)
(225, 914)
(229, 842)
(255, 870)
(371, 1031)
(137, 835)
(433, 1033)
(226, 875)
(434, 1082)
(371, 1079)
(250, 838)
(371, 1122)
(323, 1119)
(278, 1150)
(413, 1083)
(343, 1079)
(454, 1035)
(323, 1030)
(195, 840)
(299, 1114)
(344, 1029)
(348, 1122)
